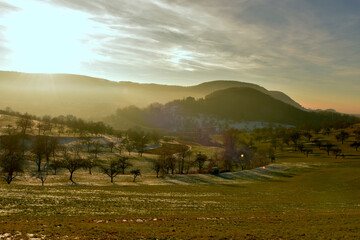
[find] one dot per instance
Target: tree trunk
(39, 164)
(182, 166)
(9, 178)
(23, 145)
(112, 179)
(71, 176)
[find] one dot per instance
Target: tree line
(47, 123)
(241, 150)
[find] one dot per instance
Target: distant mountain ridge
(89, 97)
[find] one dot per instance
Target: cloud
(269, 42)
(243, 35)
(175, 36)
(4, 9)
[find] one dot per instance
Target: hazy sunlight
(46, 39)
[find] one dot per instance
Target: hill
(247, 104)
(88, 97)
(219, 108)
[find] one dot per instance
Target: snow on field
(83, 178)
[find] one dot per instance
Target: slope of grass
(297, 197)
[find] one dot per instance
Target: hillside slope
(83, 96)
(251, 105)
(231, 104)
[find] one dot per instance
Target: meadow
(295, 197)
(298, 198)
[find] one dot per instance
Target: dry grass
(295, 198)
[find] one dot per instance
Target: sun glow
(46, 39)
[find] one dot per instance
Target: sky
(309, 49)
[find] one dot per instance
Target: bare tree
(47, 125)
(141, 144)
(11, 165)
(97, 147)
(188, 162)
(119, 147)
(72, 162)
(200, 160)
(139, 139)
(135, 172)
(170, 163)
(295, 136)
(91, 162)
(112, 170)
(356, 145)
(184, 151)
(111, 145)
(87, 141)
(124, 163)
(129, 145)
(328, 147)
(157, 166)
(42, 175)
(55, 165)
(24, 123)
(342, 136)
(53, 146)
(38, 148)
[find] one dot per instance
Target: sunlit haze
(306, 49)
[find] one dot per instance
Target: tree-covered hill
(232, 104)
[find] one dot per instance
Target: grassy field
(294, 198)
(299, 198)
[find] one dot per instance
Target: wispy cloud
(270, 42)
